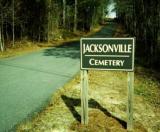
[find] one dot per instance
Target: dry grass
(27, 46)
(107, 105)
(20, 48)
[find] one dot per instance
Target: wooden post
(130, 101)
(84, 97)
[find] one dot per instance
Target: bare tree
(64, 13)
(49, 20)
(2, 10)
(13, 23)
(75, 16)
(1, 40)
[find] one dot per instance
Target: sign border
(125, 38)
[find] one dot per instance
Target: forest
(141, 19)
(47, 20)
(40, 20)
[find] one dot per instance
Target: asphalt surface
(27, 82)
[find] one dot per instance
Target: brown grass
(27, 46)
(107, 105)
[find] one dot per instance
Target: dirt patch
(98, 122)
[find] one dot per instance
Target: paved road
(27, 82)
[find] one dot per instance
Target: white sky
(111, 14)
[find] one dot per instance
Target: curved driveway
(27, 82)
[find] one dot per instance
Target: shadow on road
(71, 103)
(69, 49)
(72, 49)
(106, 31)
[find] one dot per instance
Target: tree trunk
(93, 18)
(1, 33)
(1, 41)
(49, 21)
(6, 32)
(103, 15)
(68, 22)
(39, 35)
(64, 13)
(21, 31)
(13, 23)
(48, 31)
(75, 16)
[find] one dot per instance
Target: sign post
(130, 101)
(84, 97)
(115, 54)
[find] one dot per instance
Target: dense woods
(46, 20)
(142, 20)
